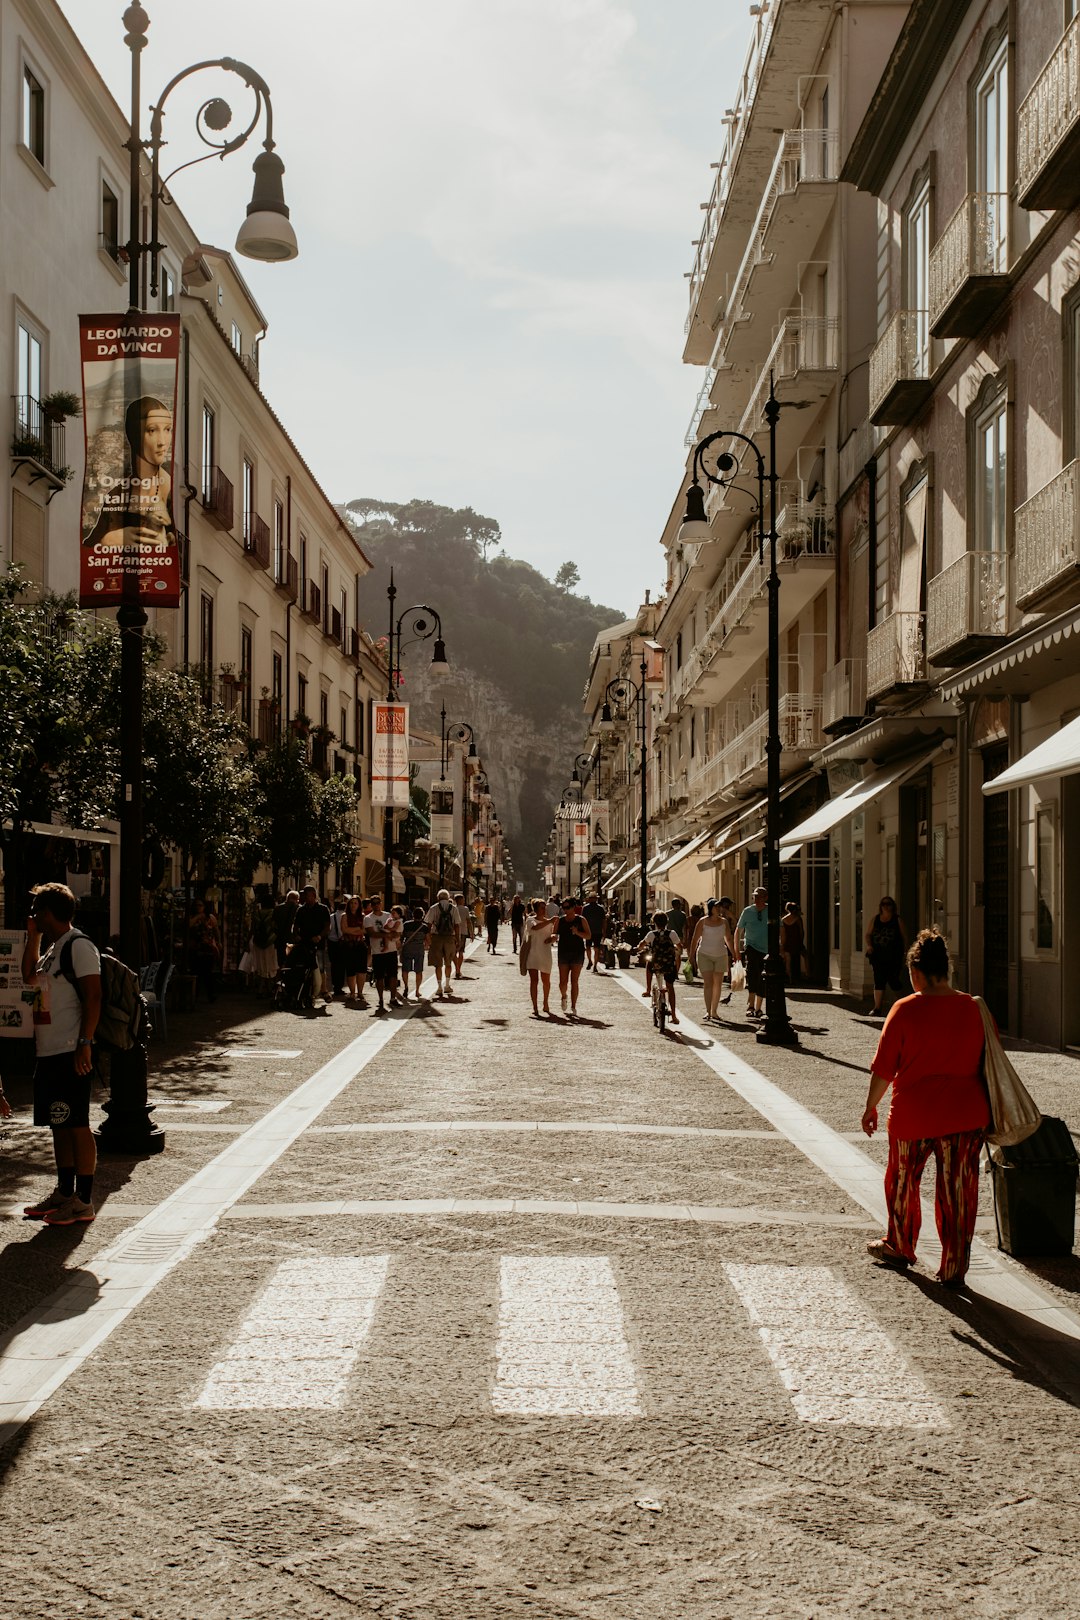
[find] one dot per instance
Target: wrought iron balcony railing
(217, 497)
(844, 694)
(38, 442)
(896, 653)
(967, 604)
(900, 366)
(969, 265)
(1048, 130)
(1047, 545)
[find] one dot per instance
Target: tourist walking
(492, 919)
(354, 938)
(310, 926)
(260, 959)
(204, 944)
(596, 917)
(885, 947)
(383, 932)
(709, 948)
(930, 1052)
(517, 921)
(412, 952)
(751, 947)
(443, 927)
(465, 929)
(535, 955)
(335, 946)
(284, 917)
(63, 970)
(792, 941)
(727, 913)
(664, 949)
(572, 932)
(677, 919)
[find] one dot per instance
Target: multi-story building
(273, 603)
(959, 580)
(779, 296)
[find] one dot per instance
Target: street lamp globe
(694, 529)
(266, 233)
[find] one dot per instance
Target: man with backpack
(443, 928)
(63, 969)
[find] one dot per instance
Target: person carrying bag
(1014, 1115)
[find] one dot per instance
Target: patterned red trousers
(956, 1198)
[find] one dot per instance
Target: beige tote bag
(1013, 1112)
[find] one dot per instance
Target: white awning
(627, 877)
(654, 865)
(722, 855)
(615, 879)
(1059, 755)
(579, 811)
(856, 798)
(682, 853)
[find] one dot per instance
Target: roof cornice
(924, 41)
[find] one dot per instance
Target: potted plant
(60, 404)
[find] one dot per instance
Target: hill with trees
(518, 646)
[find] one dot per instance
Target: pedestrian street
(461, 1313)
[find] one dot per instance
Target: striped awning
(574, 812)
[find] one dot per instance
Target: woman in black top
(886, 946)
(573, 935)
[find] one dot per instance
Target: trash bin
(1035, 1191)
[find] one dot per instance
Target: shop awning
(615, 879)
(681, 854)
(654, 865)
(856, 798)
(574, 812)
(1059, 755)
(1030, 660)
(627, 877)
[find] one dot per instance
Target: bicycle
(659, 1002)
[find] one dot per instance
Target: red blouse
(931, 1051)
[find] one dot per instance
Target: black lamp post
(618, 697)
(777, 1029)
(461, 732)
(423, 623)
(583, 764)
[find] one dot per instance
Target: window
(301, 694)
(276, 674)
(209, 449)
(206, 635)
(1070, 399)
(28, 371)
(110, 220)
(247, 497)
(360, 729)
(678, 650)
(991, 132)
(168, 291)
(324, 711)
(303, 572)
(343, 609)
(1045, 877)
(917, 276)
(33, 116)
(237, 338)
(324, 573)
(279, 541)
(991, 454)
(245, 675)
(343, 729)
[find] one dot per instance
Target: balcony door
(992, 160)
(996, 847)
(917, 278)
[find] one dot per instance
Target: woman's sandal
(883, 1254)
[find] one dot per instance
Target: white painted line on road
(49, 1343)
(542, 1126)
(704, 1214)
(257, 1052)
(562, 1349)
(299, 1342)
(197, 1105)
(1032, 1315)
(828, 1351)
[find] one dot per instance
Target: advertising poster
(549, 876)
(16, 1001)
(390, 755)
(442, 812)
(581, 840)
(130, 549)
(601, 832)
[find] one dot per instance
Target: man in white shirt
(65, 1017)
(383, 934)
(464, 916)
(443, 932)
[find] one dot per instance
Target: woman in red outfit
(930, 1052)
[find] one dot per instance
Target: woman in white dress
(536, 954)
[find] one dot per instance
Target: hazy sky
(495, 201)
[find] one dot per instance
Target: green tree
(334, 823)
(567, 576)
(286, 806)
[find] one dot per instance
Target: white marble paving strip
(1033, 1316)
(829, 1353)
(541, 1126)
(298, 1343)
(562, 1349)
(706, 1214)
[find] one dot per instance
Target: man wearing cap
(751, 948)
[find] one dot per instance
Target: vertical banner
(442, 812)
(16, 999)
(390, 755)
(549, 876)
(581, 841)
(130, 547)
(601, 831)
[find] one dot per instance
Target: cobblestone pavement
(461, 1314)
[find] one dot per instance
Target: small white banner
(581, 840)
(390, 755)
(442, 812)
(601, 832)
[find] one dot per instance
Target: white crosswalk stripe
(562, 1348)
(836, 1363)
(298, 1343)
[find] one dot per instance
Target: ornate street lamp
(423, 623)
(620, 696)
(724, 472)
(460, 733)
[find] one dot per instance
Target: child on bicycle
(664, 949)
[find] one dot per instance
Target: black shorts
(755, 970)
(61, 1097)
(888, 972)
(384, 965)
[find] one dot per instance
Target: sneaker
(70, 1212)
(45, 1206)
(563, 1000)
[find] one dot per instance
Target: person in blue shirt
(752, 947)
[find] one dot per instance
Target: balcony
(804, 528)
(256, 541)
(37, 445)
(895, 655)
(312, 607)
(796, 200)
(803, 364)
(217, 497)
(1047, 550)
(784, 47)
(268, 729)
(967, 607)
(969, 265)
(353, 646)
(843, 701)
(900, 367)
(742, 764)
(332, 626)
(1048, 130)
(288, 578)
